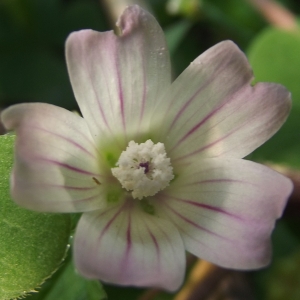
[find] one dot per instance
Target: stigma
(144, 169)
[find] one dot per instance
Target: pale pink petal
(125, 245)
(214, 111)
(117, 79)
(225, 210)
(56, 162)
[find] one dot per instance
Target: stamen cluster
(144, 169)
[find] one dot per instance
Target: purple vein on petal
(216, 181)
(69, 167)
(144, 92)
(187, 104)
(167, 238)
(192, 223)
(218, 109)
(222, 180)
(128, 243)
(188, 233)
(198, 125)
(206, 146)
(121, 96)
(110, 221)
(279, 115)
(128, 236)
(155, 244)
(206, 206)
(74, 129)
(218, 70)
(214, 142)
(79, 188)
(182, 229)
(87, 199)
(75, 188)
(66, 139)
(228, 134)
(95, 93)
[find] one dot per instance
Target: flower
(155, 167)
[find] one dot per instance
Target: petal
(117, 79)
(124, 245)
(55, 159)
(214, 111)
(225, 210)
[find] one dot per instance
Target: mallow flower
(156, 167)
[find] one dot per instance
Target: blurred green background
(32, 69)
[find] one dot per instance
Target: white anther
(144, 169)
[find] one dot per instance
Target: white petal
(117, 80)
(124, 245)
(214, 111)
(225, 210)
(56, 161)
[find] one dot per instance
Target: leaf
(32, 245)
(274, 56)
(68, 284)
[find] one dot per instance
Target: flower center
(144, 169)
(145, 166)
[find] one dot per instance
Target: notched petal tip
(232, 49)
(284, 190)
(7, 118)
(14, 115)
(277, 99)
(133, 18)
(106, 69)
(237, 116)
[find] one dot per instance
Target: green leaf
(70, 285)
(67, 284)
(274, 56)
(33, 245)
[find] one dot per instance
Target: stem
(202, 280)
(275, 14)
